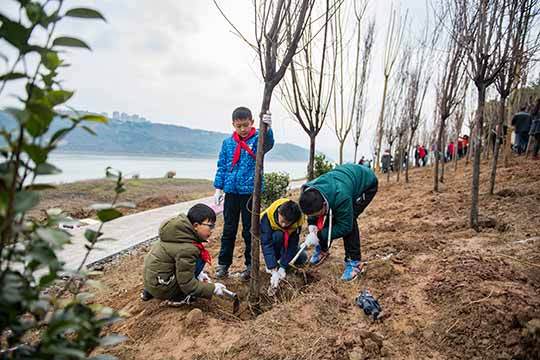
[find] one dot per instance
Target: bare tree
(419, 80)
(345, 99)
(459, 119)
(363, 89)
(391, 126)
(486, 25)
(279, 26)
(394, 34)
(307, 91)
(448, 85)
(508, 79)
(400, 105)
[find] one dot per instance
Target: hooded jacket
(170, 266)
(340, 188)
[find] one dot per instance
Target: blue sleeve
(266, 244)
(287, 256)
(269, 140)
(219, 181)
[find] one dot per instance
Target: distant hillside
(147, 138)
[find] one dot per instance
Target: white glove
(218, 196)
(218, 289)
(267, 118)
(282, 273)
(274, 280)
(312, 240)
(204, 277)
(313, 229)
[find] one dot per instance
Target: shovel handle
(302, 248)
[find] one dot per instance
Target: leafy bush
(321, 166)
(37, 320)
(276, 185)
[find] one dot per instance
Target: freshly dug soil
(447, 292)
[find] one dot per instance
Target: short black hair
(311, 201)
(242, 113)
(200, 212)
(290, 211)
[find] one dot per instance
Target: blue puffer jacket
(239, 180)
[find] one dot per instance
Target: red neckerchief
(286, 239)
(320, 222)
(205, 255)
(241, 144)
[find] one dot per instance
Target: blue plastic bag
(369, 304)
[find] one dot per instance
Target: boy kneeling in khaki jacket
(173, 269)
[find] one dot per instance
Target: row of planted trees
(468, 47)
(318, 54)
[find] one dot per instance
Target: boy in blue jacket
(234, 178)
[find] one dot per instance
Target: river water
(91, 166)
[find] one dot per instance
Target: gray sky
(177, 62)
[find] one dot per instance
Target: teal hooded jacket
(340, 188)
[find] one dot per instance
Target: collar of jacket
(271, 212)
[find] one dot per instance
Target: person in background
(522, 125)
(535, 129)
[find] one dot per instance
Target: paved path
(130, 231)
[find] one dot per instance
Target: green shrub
(321, 166)
(276, 185)
(41, 317)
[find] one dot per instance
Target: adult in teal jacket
(333, 202)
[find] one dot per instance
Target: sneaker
(145, 295)
(352, 269)
(245, 274)
(222, 271)
(319, 256)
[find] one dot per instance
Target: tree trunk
(311, 161)
(390, 165)
(497, 145)
(443, 166)
(254, 284)
(455, 158)
(407, 168)
(475, 187)
(380, 126)
(515, 99)
(341, 144)
(355, 152)
(437, 154)
(399, 161)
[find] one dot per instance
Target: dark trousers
(522, 139)
(536, 144)
(351, 241)
(234, 207)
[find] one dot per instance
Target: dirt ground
(75, 198)
(447, 292)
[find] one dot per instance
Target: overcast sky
(177, 62)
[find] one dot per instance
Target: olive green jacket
(169, 267)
